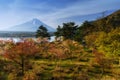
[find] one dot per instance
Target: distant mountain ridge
(112, 20)
(30, 26)
(105, 24)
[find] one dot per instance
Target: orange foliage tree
(21, 52)
(103, 62)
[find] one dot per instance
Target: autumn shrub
(90, 39)
(3, 75)
(30, 76)
(38, 69)
(13, 76)
(82, 76)
(56, 51)
(20, 54)
(72, 49)
(5, 44)
(104, 63)
(2, 64)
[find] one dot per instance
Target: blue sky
(52, 12)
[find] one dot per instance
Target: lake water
(17, 39)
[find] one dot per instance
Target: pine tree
(42, 32)
(68, 30)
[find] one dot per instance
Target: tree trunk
(22, 65)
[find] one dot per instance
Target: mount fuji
(30, 26)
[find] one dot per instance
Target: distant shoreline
(19, 34)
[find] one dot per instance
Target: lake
(18, 39)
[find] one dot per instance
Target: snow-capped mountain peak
(35, 21)
(31, 26)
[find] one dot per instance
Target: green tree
(68, 30)
(42, 32)
(58, 33)
(85, 29)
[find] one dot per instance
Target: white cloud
(77, 9)
(18, 12)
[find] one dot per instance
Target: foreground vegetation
(66, 60)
